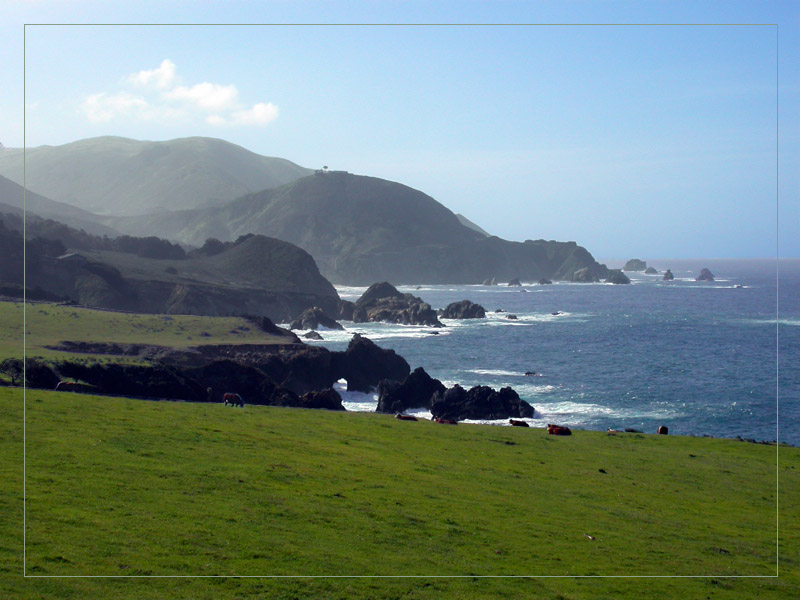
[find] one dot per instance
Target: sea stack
(635, 264)
(705, 275)
(668, 276)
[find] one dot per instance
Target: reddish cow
(558, 430)
(405, 417)
(446, 421)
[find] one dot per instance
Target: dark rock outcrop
(416, 391)
(344, 310)
(463, 310)
(668, 276)
(480, 402)
(514, 282)
(635, 264)
(326, 399)
(364, 365)
(584, 275)
(650, 271)
(544, 281)
(617, 277)
(314, 318)
(312, 335)
(705, 275)
(382, 302)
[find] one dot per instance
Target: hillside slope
(121, 176)
(363, 229)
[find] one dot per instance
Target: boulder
(514, 282)
(584, 275)
(545, 281)
(650, 271)
(314, 318)
(668, 276)
(344, 310)
(480, 402)
(635, 264)
(382, 302)
(415, 391)
(312, 335)
(463, 310)
(326, 399)
(705, 275)
(617, 277)
(364, 364)
(512, 317)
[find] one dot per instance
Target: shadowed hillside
(363, 229)
(115, 175)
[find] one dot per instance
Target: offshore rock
(480, 402)
(314, 318)
(382, 302)
(635, 264)
(364, 364)
(584, 275)
(650, 271)
(544, 281)
(463, 310)
(617, 277)
(668, 276)
(416, 391)
(514, 282)
(705, 275)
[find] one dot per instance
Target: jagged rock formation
(383, 303)
(668, 276)
(480, 402)
(463, 310)
(416, 391)
(364, 365)
(585, 275)
(514, 282)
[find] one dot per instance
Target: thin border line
(777, 311)
(24, 303)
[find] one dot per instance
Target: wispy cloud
(159, 95)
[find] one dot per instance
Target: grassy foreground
(119, 487)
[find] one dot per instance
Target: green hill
(364, 229)
(117, 487)
(118, 176)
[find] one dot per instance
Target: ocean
(703, 358)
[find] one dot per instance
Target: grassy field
(119, 487)
(48, 324)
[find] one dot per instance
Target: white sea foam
(497, 372)
(356, 401)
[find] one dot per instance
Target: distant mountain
(121, 176)
(467, 223)
(11, 200)
(362, 229)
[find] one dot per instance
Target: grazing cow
(663, 430)
(405, 417)
(446, 421)
(232, 399)
(558, 430)
(516, 423)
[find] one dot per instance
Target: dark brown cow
(663, 430)
(446, 421)
(516, 423)
(558, 430)
(232, 399)
(405, 417)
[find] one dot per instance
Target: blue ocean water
(703, 358)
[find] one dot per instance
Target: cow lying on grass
(232, 399)
(517, 423)
(403, 417)
(558, 430)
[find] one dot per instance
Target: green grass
(122, 487)
(48, 324)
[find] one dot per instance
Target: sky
(637, 129)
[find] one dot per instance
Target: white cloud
(161, 77)
(262, 113)
(154, 95)
(207, 96)
(101, 108)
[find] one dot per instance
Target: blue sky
(649, 141)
